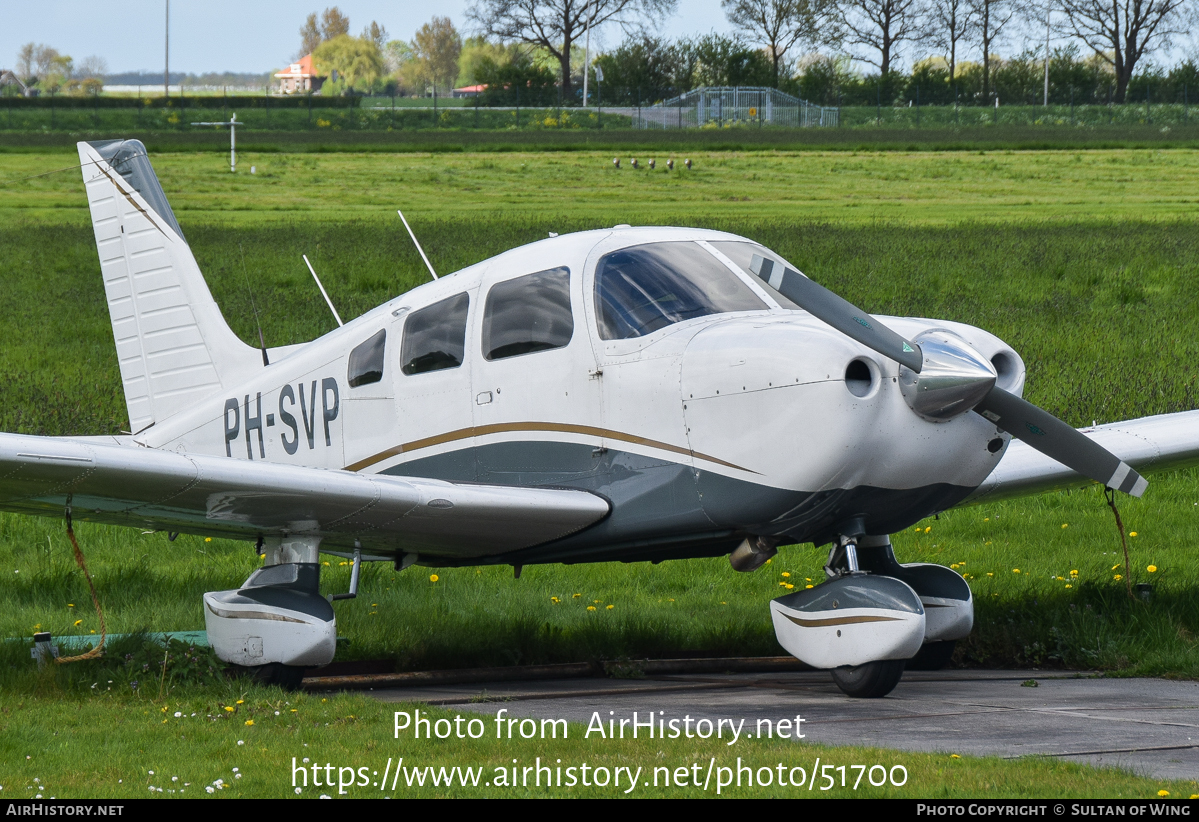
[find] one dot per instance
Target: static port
(994, 445)
(859, 379)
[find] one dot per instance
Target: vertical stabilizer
(173, 344)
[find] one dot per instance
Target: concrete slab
(1149, 726)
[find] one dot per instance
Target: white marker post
(232, 126)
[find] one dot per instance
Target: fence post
(878, 101)
(518, 106)
(1109, 103)
(476, 108)
(956, 111)
(1185, 104)
(1148, 115)
(917, 105)
(1072, 105)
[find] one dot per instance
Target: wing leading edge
(1148, 444)
(215, 496)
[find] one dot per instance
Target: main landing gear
(276, 624)
(873, 617)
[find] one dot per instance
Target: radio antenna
(261, 340)
(324, 293)
(417, 243)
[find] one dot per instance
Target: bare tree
(92, 67)
(950, 22)
(27, 61)
(555, 25)
(310, 35)
(780, 24)
(376, 34)
(991, 17)
(882, 26)
(1122, 32)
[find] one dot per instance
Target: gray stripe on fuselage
(658, 502)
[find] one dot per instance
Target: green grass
(119, 746)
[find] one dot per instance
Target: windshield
(743, 252)
(641, 289)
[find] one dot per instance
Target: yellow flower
(954, 565)
(789, 586)
(786, 573)
(990, 574)
(1163, 793)
(576, 596)
(782, 585)
(433, 577)
(70, 604)
(1152, 569)
(590, 607)
(670, 600)
(1068, 585)
(1074, 572)
(241, 702)
(610, 607)
(1114, 567)
(208, 539)
(929, 528)
(807, 579)
(809, 586)
(249, 722)
(342, 563)
(1065, 525)
(78, 622)
(597, 601)
(554, 600)
(1132, 533)
(954, 756)
(986, 519)
(1061, 579)
(228, 708)
(1118, 577)
(325, 564)
(1015, 570)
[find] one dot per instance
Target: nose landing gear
(872, 615)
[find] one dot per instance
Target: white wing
(1148, 444)
(126, 484)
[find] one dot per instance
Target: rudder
(173, 344)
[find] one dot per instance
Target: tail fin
(173, 344)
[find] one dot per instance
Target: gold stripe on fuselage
(507, 427)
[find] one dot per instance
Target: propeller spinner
(941, 376)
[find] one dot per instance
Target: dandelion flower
(1068, 585)
(954, 756)
(809, 586)
(1114, 567)
(70, 604)
(78, 622)
(590, 607)
(1132, 533)
(1152, 569)
(929, 528)
(990, 573)
(1065, 525)
(208, 539)
(1015, 570)
(789, 586)
(433, 577)
(1118, 577)
(1074, 573)
(1163, 793)
(610, 607)
(575, 596)
(786, 573)
(249, 722)
(555, 600)
(241, 702)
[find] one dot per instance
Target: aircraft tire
(933, 656)
(287, 677)
(871, 680)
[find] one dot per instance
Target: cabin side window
(366, 361)
(528, 314)
(760, 262)
(435, 337)
(641, 289)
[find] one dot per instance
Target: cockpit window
(435, 337)
(366, 361)
(767, 263)
(527, 314)
(641, 289)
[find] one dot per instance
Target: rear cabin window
(366, 361)
(528, 314)
(435, 337)
(641, 289)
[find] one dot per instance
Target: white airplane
(632, 394)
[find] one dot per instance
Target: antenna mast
(417, 242)
(324, 293)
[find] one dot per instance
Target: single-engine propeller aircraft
(630, 394)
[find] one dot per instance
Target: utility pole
(587, 60)
(166, 60)
(1048, 9)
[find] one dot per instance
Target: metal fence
(738, 105)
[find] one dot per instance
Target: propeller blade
(1058, 440)
(838, 312)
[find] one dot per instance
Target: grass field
(1085, 261)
